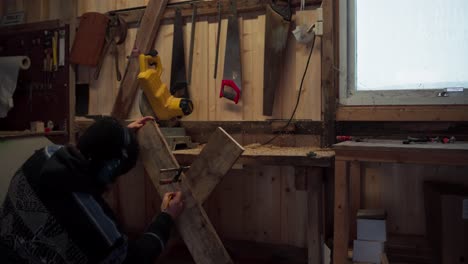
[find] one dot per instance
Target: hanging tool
(232, 77)
(192, 43)
(217, 40)
(116, 34)
(174, 179)
(61, 56)
(178, 73)
(156, 99)
(54, 51)
(278, 20)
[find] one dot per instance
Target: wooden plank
(403, 113)
(131, 193)
(143, 43)
(341, 235)
(355, 194)
(402, 130)
(310, 105)
(271, 156)
(205, 8)
(214, 161)
(329, 80)
(314, 215)
(258, 57)
(193, 224)
(268, 186)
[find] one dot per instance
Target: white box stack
(371, 236)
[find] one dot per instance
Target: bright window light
(411, 44)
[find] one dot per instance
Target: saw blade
(145, 106)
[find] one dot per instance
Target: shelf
(270, 155)
(20, 134)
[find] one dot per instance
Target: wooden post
(341, 235)
(329, 89)
(193, 224)
(143, 43)
(355, 194)
(314, 215)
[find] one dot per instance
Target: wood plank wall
(399, 189)
(259, 204)
(205, 90)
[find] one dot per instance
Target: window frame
(349, 95)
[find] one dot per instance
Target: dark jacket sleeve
(150, 245)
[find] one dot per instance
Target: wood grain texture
(314, 215)
(355, 194)
(341, 235)
(214, 161)
(311, 95)
(205, 90)
(193, 224)
(403, 113)
(329, 80)
(143, 43)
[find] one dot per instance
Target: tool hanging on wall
(156, 99)
(192, 43)
(278, 20)
(179, 86)
(232, 76)
(116, 34)
(217, 40)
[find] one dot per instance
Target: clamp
(174, 179)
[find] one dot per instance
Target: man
(54, 211)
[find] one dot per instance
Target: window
(403, 52)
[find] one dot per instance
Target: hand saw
(232, 76)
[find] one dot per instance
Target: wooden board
(143, 43)
(271, 155)
(341, 236)
(214, 161)
(329, 74)
(193, 224)
(403, 113)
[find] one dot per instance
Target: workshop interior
(297, 131)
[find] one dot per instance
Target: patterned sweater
(53, 213)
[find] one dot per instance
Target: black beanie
(106, 140)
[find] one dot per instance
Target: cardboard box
(372, 230)
(368, 251)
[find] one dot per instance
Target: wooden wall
(258, 204)
(399, 190)
(205, 90)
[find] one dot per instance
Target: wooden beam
(144, 41)
(279, 156)
(401, 130)
(214, 161)
(193, 224)
(314, 215)
(329, 87)
(204, 8)
(403, 113)
(355, 195)
(341, 236)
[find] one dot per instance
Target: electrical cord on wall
(297, 101)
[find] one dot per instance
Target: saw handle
(233, 96)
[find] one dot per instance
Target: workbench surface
(397, 144)
(271, 155)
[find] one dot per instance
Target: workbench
(309, 161)
(348, 158)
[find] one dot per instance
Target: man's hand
(173, 204)
(139, 123)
